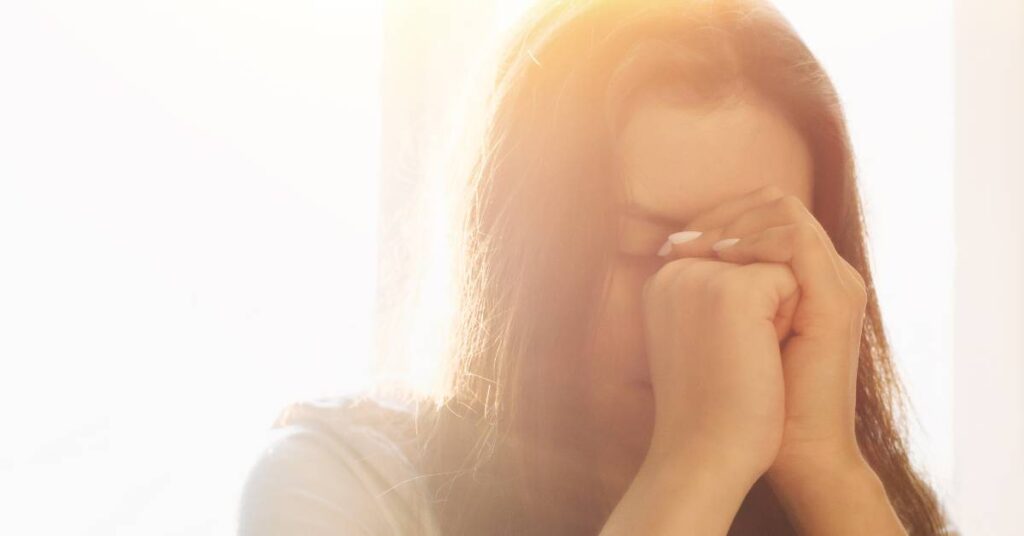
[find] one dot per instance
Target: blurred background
(207, 209)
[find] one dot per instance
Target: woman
(666, 324)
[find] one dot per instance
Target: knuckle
(727, 288)
(669, 277)
(655, 284)
(854, 284)
(860, 303)
(831, 312)
(792, 205)
(687, 278)
(804, 234)
(744, 221)
(770, 192)
(857, 278)
(860, 290)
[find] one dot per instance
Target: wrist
(728, 461)
(841, 495)
(685, 491)
(793, 473)
(730, 470)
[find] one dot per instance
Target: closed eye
(638, 259)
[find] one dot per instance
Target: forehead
(681, 161)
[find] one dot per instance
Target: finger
(799, 245)
(782, 296)
(728, 211)
(779, 276)
(858, 293)
(717, 217)
(779, 211)
(784, 318)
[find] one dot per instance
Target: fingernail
(722, 244)
(665, 249)
(683, 236)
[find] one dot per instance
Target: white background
(188, 224)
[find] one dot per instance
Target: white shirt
(340, 466)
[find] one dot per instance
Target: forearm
(682, 495)
(833, 499)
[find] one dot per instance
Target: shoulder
(343, 465)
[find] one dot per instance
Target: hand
(820, 355)
(712, 331)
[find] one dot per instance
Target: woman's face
(677, 162)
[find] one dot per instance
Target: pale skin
(720, 365)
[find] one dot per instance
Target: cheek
(617, 390)
(619, 338)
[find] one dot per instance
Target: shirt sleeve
(325, 482)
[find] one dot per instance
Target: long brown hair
(532, 265)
